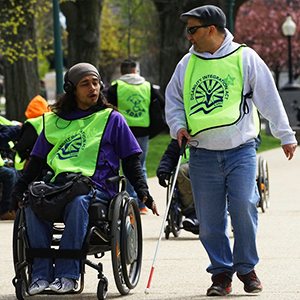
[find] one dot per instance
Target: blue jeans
(76, 220)
(143, 142)
(8, 178)
(214, 176)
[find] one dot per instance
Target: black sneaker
(191, 223)
(221, 285)
(251, 282)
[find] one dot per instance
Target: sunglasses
(192, 30)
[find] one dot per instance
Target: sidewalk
(179, 272)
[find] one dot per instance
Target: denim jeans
(143, 142)
(76, 220)
(8, 178)
(216, 175)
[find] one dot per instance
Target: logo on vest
(71, 146)
(136, 110)
(209, 93)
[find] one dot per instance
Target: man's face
(200, 39)
(87, 92)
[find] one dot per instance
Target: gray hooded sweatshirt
(257, 78)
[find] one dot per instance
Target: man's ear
(212, 29)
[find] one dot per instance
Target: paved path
(180, 267)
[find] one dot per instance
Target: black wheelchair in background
(116, 228)
(175, 213)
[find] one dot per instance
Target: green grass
(159, 144)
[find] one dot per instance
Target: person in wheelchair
(166, 166)
(83, 133)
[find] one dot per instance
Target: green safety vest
(134, 102)
(76, 142)
(4, 121)
(37, 123)
(2, 163)
(213, 91)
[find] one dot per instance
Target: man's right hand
(181, 133)
(162, 178)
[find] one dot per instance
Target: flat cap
(210, 13)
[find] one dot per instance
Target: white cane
(182, 151)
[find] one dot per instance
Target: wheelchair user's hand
(150, 203)
(163, 178)
(16, 202)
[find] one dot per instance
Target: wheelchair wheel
(22, 279)
(125, 261)
(261, 187)
(167, 232)
(102, 289)
(131, 243)
(265, 180)
(175, 218)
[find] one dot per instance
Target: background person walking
(132, 95)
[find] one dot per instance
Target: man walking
(212, 99)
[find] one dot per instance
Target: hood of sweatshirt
(132, 78)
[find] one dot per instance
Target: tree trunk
(83, 26)
(21, 72)
(174, 44)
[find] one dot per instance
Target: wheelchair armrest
(116, 179)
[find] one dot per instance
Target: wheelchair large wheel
(266, 184)
(174, 218)
(22, 279)
(126, 260)
(261, 187)
(131, 243)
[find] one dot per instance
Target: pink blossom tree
(258, 25)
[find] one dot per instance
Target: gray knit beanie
(80, 70)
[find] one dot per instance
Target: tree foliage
(129, 29)
(258, 24)
(19, 53)
(83, 27)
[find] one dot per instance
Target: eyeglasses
(192, 30)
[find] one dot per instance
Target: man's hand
(183, 133)
(289, 150)
(163, 178)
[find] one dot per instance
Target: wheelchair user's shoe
(63, 285)
(8, 216)
(251, 282)
(191, 224)
(221, 285)
(37, 286)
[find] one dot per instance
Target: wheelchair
(116, 228)
(175, 213)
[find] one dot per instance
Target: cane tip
(147, 291)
